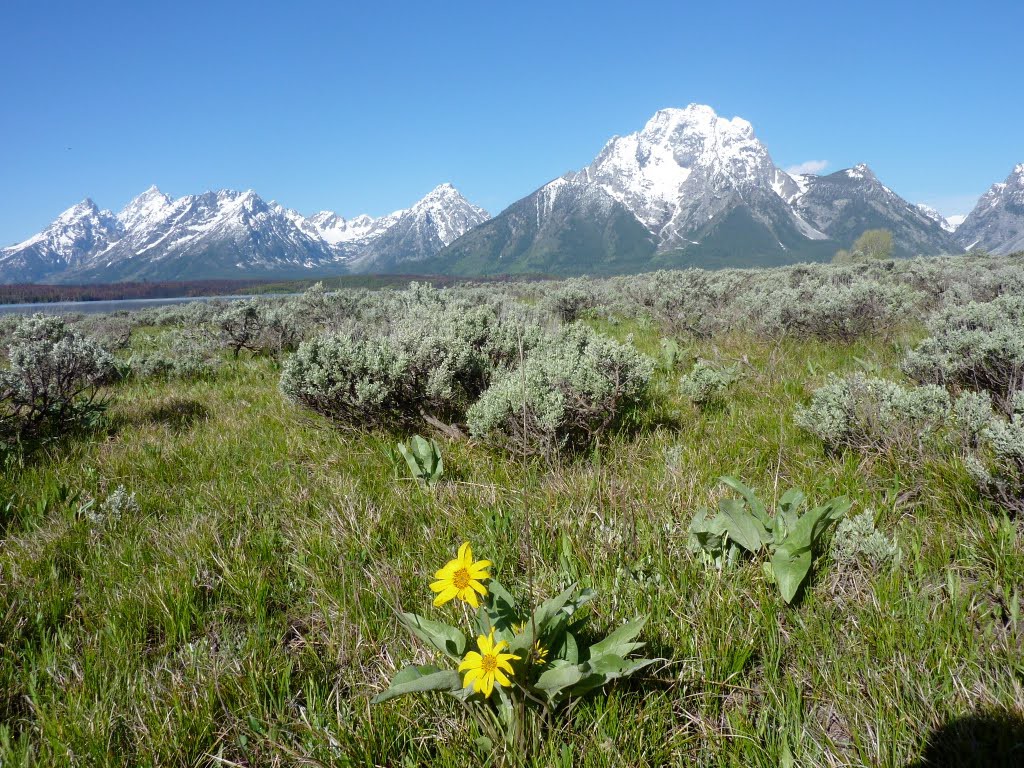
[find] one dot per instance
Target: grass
(246, 615)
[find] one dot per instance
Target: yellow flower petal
(471, 660)
(500, 677)
(476, 586)
(502, 664)
(485, 643)
(446, 595)
(479, 565)
(488, 685)
(465, 553)
(471, 677)
(448, 570)
(470, 597)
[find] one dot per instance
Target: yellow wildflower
(488, 667)
(539, 654)
(461, 578)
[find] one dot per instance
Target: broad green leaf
(417, 679)
(620, 642)
(756, 506)
(444, 638)
(790, 566)
(743, 528)
(558, 678)
(547, 610)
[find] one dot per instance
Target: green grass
(246, 615)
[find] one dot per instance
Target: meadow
(206, 554)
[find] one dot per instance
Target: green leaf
(558, 678)
(442, 637)
(547, 610)
(417, 679)
(756, 506)
(620, 642)
(743, 528)
(790, 566)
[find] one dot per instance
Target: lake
(104, 307)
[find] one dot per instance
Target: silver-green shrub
(569, 302)
(862, 412)
(432, 358)
(995, 450)
(188, 354)
(706, 384)
(52, 377)
(858, 544)
(571, 388)
(977, 347)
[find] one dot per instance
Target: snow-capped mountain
(846, 203)
(687, 166)
(81, 230)
(997, 222)
(948, 223)
(689, 188)
(409, 236)
(229, 234)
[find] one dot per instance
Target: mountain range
(230, 234)
(690, 188)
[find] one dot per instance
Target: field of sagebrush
(209, 535)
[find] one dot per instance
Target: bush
(977, 347)
(858, 544)
(52, 378)
(862, 412)
(571, 301)
(240, 325)
(433, 362)
(571, 388)
(995, 444)
(188, 354)
(706, 384)
(837, 311)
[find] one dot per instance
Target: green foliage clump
(423, 457)
(858, 544)
(706, 384)
(433, 362)
(790, 537)
(187, 354)
(843, 310)
(873, 244)
(52, 378)
(569, 302)
(240, 325)
(977, 347)
(995, 443)
(871, 413)
(571, 388)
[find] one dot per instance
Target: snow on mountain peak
(662, 173)
(145, 209)
(860, 171)
(948, 224)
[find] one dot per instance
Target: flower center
(489, 663)
(461, 578)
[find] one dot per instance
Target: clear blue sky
(365, 108)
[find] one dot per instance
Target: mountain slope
(546, 231)
(689, 188)
(997, 221)
(846, 203)
(81, 230)
(414, 235)
(229, 234)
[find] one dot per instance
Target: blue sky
(366, 107)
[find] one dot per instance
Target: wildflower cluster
(523, 659)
